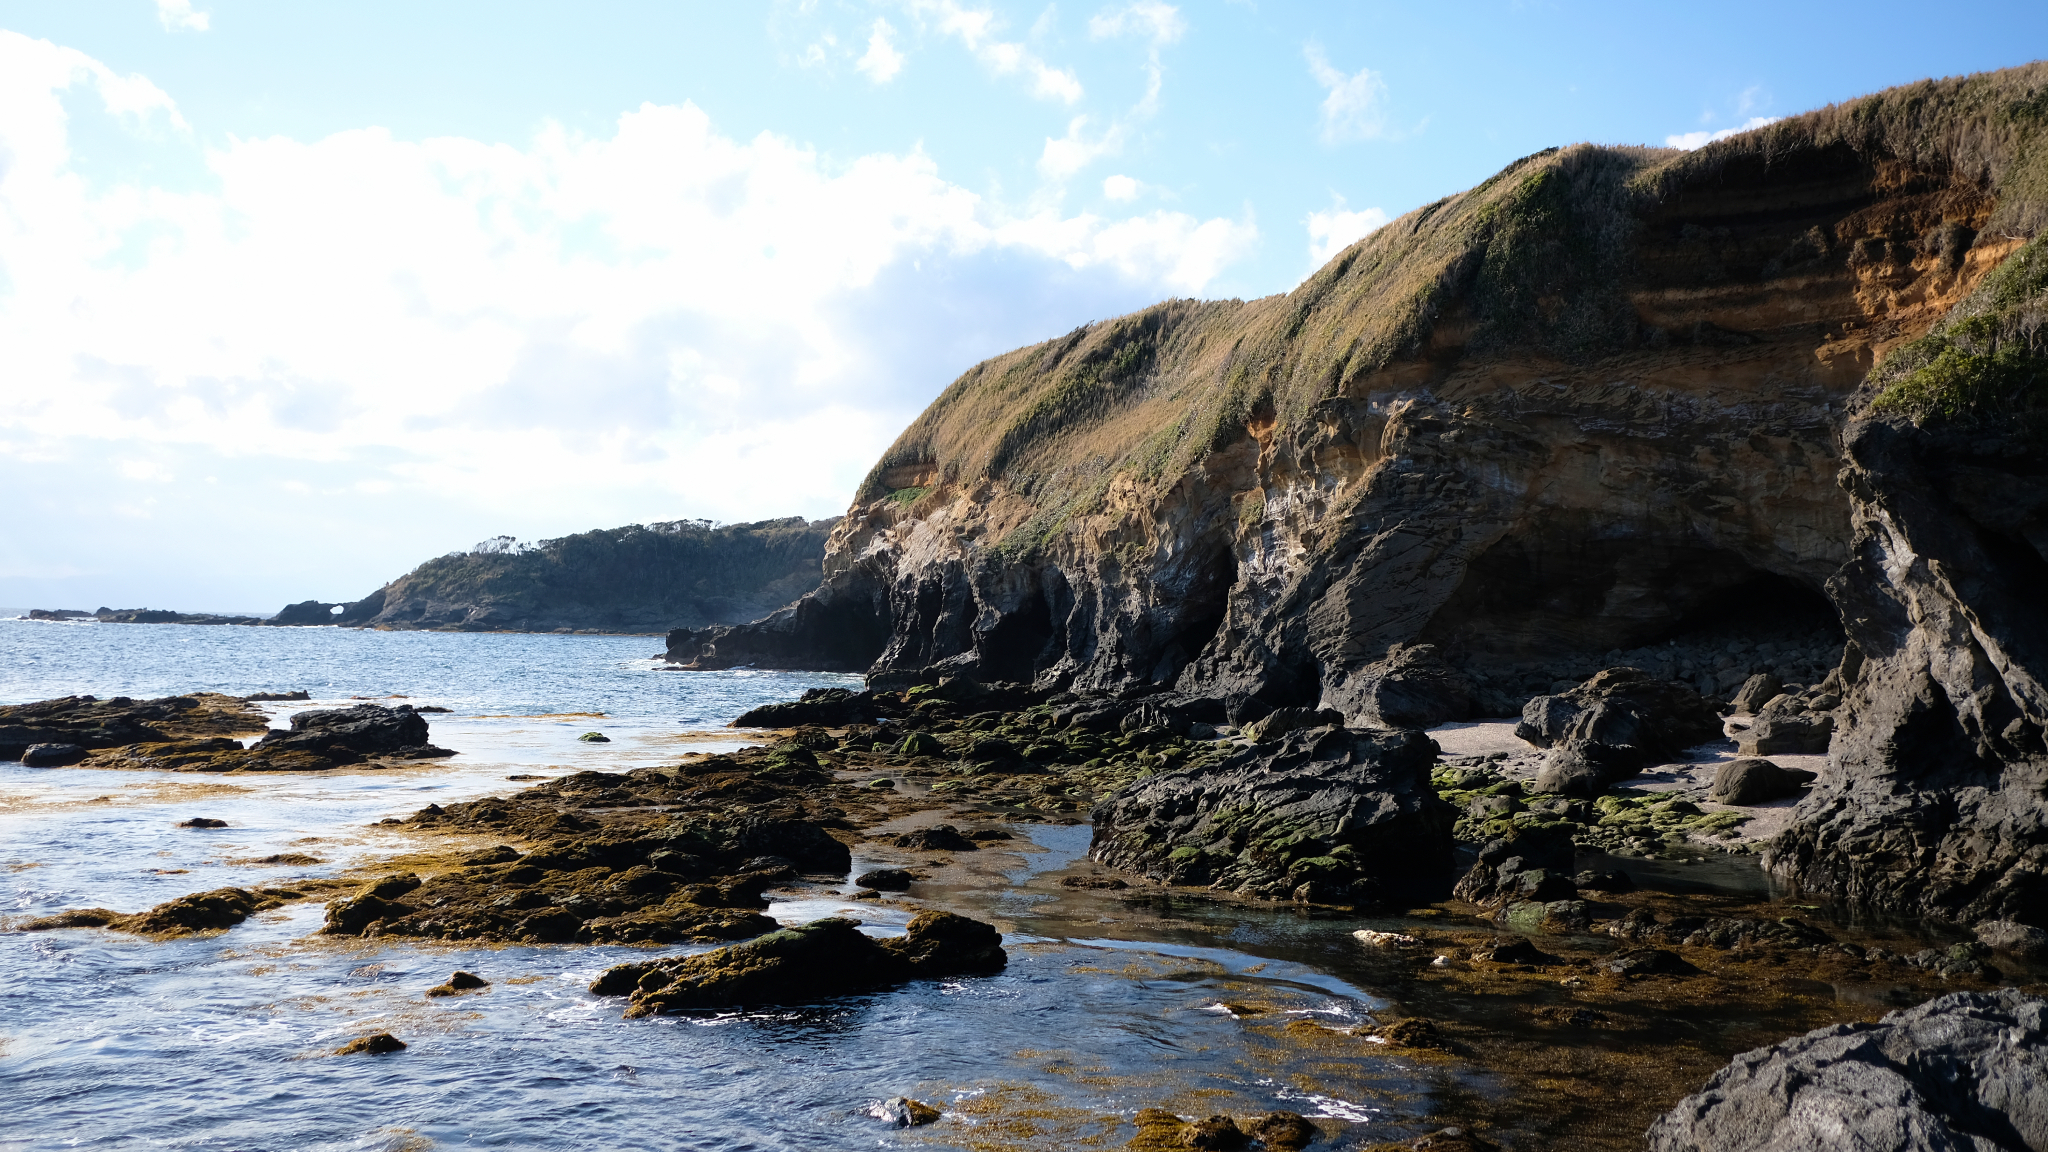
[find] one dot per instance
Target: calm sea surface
(1109, 1005)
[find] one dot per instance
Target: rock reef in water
(821, 959)
(184, 916)
(1327, 815)
(94, 724)
(1961, 1072)
(318, 740)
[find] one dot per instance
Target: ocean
(1111, 1003)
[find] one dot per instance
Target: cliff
(639, 578)
(1613, 406)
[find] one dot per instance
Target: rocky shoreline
(1591, 961)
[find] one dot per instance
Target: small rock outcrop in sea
(52, 755)
(92, 723)
(824, 958)
(375, 1044)
(457, 984)
(345, 735)
(1326, 815)
(1612, 727)
(184, 916)
(1962, 1072)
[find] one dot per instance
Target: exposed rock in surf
(375, 1044)
(821, 959)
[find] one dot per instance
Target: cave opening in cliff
(1202, 609)
(1020, 643)
(1535, 598)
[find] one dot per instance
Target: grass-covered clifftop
(639, 578)
(1546, 259)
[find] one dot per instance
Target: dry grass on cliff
(1536, 257)
(1988, 361)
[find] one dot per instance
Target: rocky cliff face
(1591, 412)
(640, 578)
(1937, 801)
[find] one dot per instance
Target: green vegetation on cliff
(1988, 361)
(639, 578)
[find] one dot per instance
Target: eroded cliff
(1591, 405)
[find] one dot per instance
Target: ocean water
(1109, 1004)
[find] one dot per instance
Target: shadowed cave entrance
(1535, 616)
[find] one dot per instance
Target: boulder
(1962, 1072)
(1753, 781)
(1787, 726)
(1346, 814)
(1612, 727)
(802, 843)
(375, 1044)
(886, 879)
(825, 707)
(345, 735)
(939, 838)
(2010, 936)
(1756, 692)
(52, 755)
(1411, 687)
(824, 958)
(1531, 865)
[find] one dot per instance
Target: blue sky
(297, 295)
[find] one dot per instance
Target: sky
(295, 296)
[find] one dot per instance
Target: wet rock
(346, 735)
(825, 707)
(1351, 811)
(459, 983)
(920, 744)
(595, 738)
(886, 879)
(1611, 727)
(199, 912)
(202, 822)
(1648, 962)
(1610, 881)
(1756, 692)
(1219, 1132)
(1282, 1131)
(2024, 940)
(1753, 781)
(1546, 916)
(1533, 864)
(1519, 950)
(801, 842)
(1962, 1071)
(1097, 883)
(1413, 1032)
(1642, 926)
(824, 958)
(94, 724)
(903, 1112)
(52, 755)
(375, 1044)
(1372, 939)
(939, 838)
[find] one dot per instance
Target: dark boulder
(886, 879)
(1410, 688)
(1960, 1073)
(1786, 726)
(802, 843)
(1533, 865)
(821, 959)
(376, 1044)
(1612, 727)
(1344, 814)
(1755, 692)
(347, 734)
(1752, 781)
(825, 707)
(939, 838)
(1648, 962)
(52, 755)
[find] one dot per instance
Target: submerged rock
(824, 958)
(375, 1044)
(1962, 1072)
(1325, 815)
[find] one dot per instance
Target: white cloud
(1692, 140)
(578, 331)
(1159, 23)
(176, 14)
(1337, 229)
(1067, 155)
(883, 61)
(1354, 104)
(975, 28)
(1121, 189)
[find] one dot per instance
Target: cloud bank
(407, 345)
